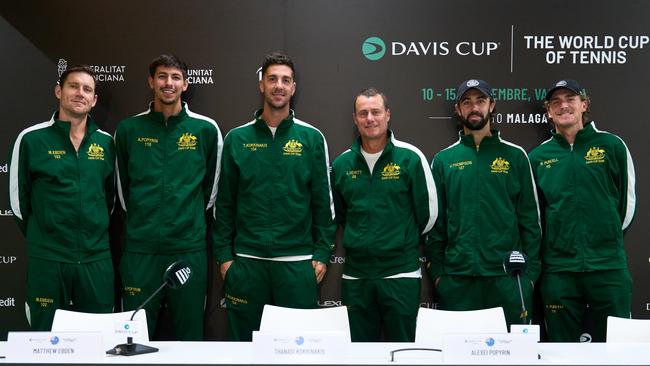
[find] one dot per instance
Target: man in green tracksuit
(167, 169)
(488, 207)
(274, 228)
(586, 182)
(61, 188)
(386, 200)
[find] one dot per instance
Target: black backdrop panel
(429, 47)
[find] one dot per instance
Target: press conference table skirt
(239, 353)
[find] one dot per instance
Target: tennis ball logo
(373, 48)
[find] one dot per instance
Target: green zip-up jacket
(61, 198)
(274, 198)
(587, 191)
(386, 211)
(167, 177)
(488, 207)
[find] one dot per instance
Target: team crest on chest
(292, 147)
(187, 141)
(595, 155)
(95, 152)
(391, 171)
(500, 165)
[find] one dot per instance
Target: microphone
(514, 264)
(175, 276)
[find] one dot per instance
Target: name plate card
(55, 347)
(504, 348)
(296, 347)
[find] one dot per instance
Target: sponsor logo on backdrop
(4, 168)
(62, 66)
(6, 213)
(8, 302)
(586, 49)
(104, 73)
(647, 306)
(430, 305)
(375, 48)
(337, 260)
(7, 259)
(199, 76)
(329, 303)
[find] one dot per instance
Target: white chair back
(624, 330)
(432, 324)
(332, 319)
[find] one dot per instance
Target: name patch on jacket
(292, 147)
(354, 173)
(56, 153)
(254, 146)
(595, 155)
(187, 141)
(147, 141)
(500, 165)
(460, 165)
(391, 171)
(548, 163)
(95, 152)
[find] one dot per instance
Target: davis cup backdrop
(416, 51)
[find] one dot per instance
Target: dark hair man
(274, 228)
(167, 170)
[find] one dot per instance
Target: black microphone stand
(524, 312)
(129, 348)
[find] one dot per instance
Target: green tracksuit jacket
(167, 176)
(385, 212)
(274, 196)
(589, 200)
(62, 198)
(488, 206)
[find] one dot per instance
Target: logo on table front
(490, 342)
(300, 340)
(54, 340)
(373, 48)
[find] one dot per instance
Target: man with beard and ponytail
(274, 228)
(488, 207)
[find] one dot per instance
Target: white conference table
(240, 353)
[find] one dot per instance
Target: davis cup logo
(373, 48)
